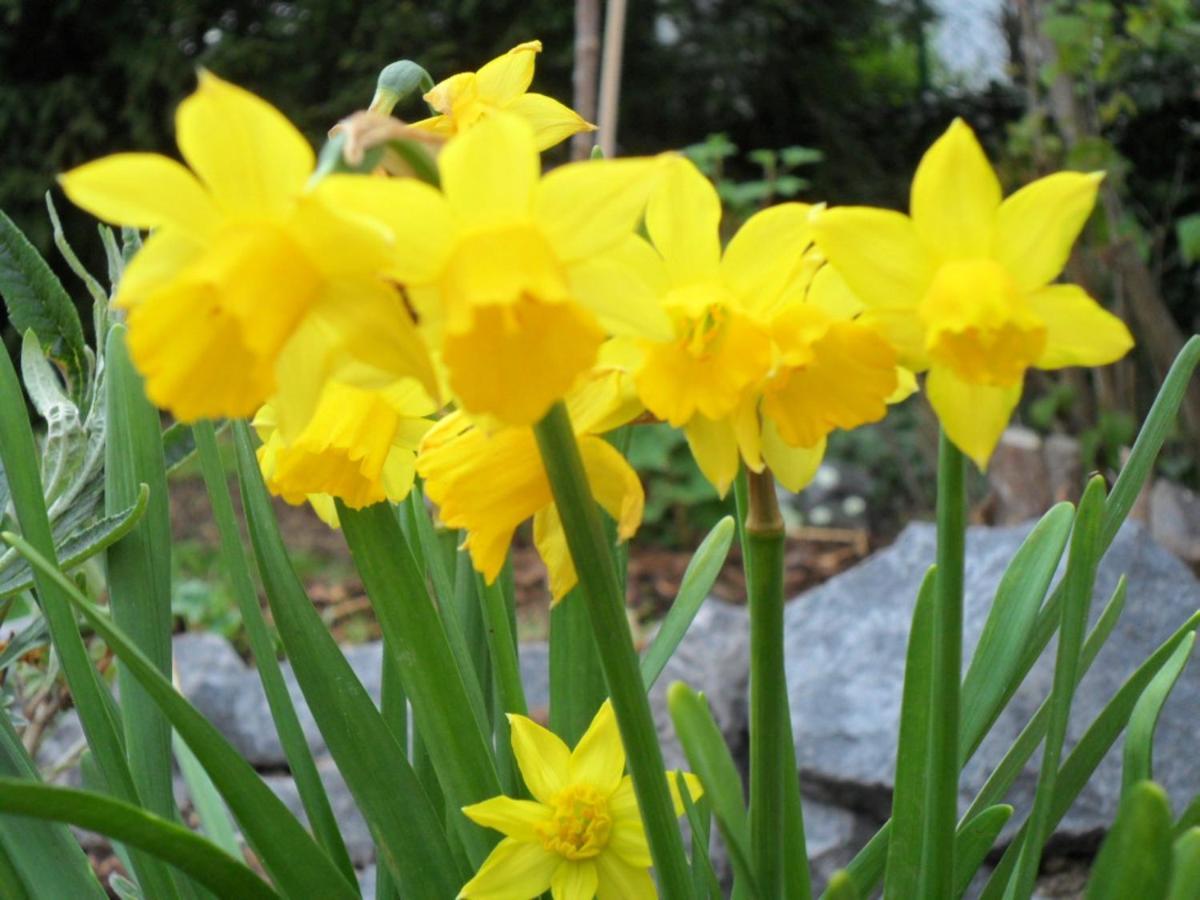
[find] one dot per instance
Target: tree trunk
(587, 69)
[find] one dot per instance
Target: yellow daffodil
(504, 267)
(581, 836)
(962, 285)
(463, 100)
(488, 483)
(758, 365)
(240, 256)
(359, 446)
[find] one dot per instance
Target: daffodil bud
(396, 82)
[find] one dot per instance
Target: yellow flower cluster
(347, 311)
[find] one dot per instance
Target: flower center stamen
(581, 824)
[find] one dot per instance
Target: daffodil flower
(463, 100)
(505, 267)
(759, 366)
(962, 286)
(240, 256)
(581, 836)
(489, 482)
(359, 446)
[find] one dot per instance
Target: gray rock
(352, 825)
(1019, 477)
(535, 675)
(366, 881)
(833, 835)
(1175, 519)
(845, 644)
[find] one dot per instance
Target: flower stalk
(605, 599)
(764, 547)
(942, 797)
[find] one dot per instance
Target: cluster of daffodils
(349, 314)
(379, 327)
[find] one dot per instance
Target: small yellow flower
(463, 100)
(763, 361)
(962, 286)
(503, 266)
(489, 483)
(240, 257)
(359, 446)
(582, 834)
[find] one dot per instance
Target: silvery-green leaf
(42, 382)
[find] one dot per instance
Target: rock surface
(846, 645)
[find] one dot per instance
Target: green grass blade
(1190, 818)
(709, 759)
(1139, 734)
(907, 849)
(210, 809)
(1079, 580)
(393, 706)
(139, 568)
(576, 678)
(1185, 866)
(294, 860)
(704, 877)
(1092, 748)
(841, 887)
(46, 859)
(97, 713)
(997, 658)
(262, 647)
(136, 827)
(975, 841)
(408, 830)
(1135, 858)
(698, 579)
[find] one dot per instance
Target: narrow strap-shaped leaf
(702, 570)
(704, 877)
(294, 860)
(11, 878)
(210, 809)
(841, 887)
(576, 678)
(436, 686)
(1135, 858)
(506, 667)
(1002, 643)
(139, 568)
(907, 848)
(1079, 580)
(262, 647)
(97, 713)
(975, 840)
(1189, 818)
(393, 706)
(709, 759)
(1139, 734)
(45, 858)
(1185, 866)
(408, 830)
(136, 827)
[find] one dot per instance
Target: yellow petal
(621, 881)
(906, 385)
(513, 869)
(552, 121)
(508, 76)
(598, 760)
(542, 757)
(587, 207)
(1037, 225)
(447, 94)
(1079, 331)
(878, 252)
(955, 195)
(628, 841)
(605, 398)
(715, 448)
(575, 880)
(619, 288)
(416, 215)
(794, 467)
(694, 788)
(247, 152)
(973, 415)
(142, 190)
(904, 330)
(515, 361)
(614, 484)
(490, 171)
(683, 219)
(765, 255)
(830, 293)
(513, 818)
(551, 543)
(164, 255)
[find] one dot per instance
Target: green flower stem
(764, 547)
(605, 599)
(942, 796)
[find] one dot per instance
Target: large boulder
(845, 646)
